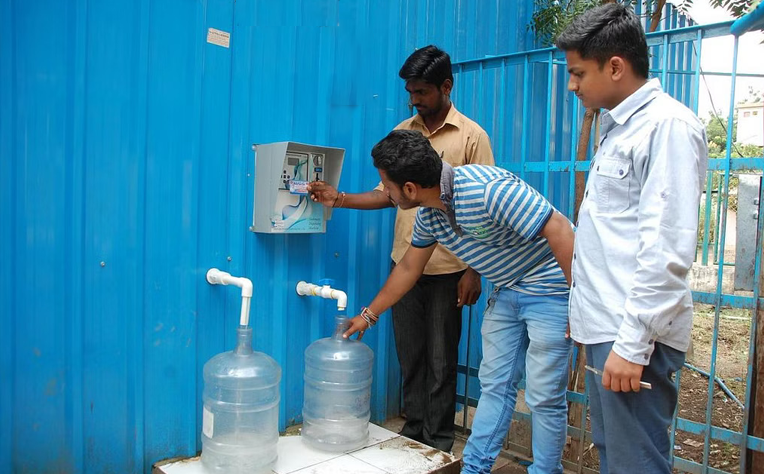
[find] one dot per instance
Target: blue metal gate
(522, 101)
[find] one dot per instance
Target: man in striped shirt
(427, 321)
(510, 234)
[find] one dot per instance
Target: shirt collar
(622, 112)
(447, 195)
(452, 118)
(447, 186)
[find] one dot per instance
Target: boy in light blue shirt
(630, 302)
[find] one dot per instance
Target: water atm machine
(282, 173)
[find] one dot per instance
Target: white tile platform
(384, 453)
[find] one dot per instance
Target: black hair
(606, 31)
(429, 64)
(407, 156)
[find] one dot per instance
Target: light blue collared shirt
(637, 231)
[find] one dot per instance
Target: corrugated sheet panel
(126, 172)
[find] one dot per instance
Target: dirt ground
(731, 366)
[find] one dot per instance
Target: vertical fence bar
(582, 438)
(707, 218)
(718, 218)
(680, 66)
(573, 152)
(752, 342)
(523, 135)
(720, 273)
(467, 372)
(671, 25)
(672, 435)
(664, 61)
(709, 179)
(696, 76)
(548, 122)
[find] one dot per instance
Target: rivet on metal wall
(229, 258)
(336, 255)
(103, 264)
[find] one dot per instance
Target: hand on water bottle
(357, 325)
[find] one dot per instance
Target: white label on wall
(208, 422)
(218, 37)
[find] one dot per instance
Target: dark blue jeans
(427, 326)
(630, 430)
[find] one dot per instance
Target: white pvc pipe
(218, 277)
(326, 291)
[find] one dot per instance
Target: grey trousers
(427, 326)
(630, 430)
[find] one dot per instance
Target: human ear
(446, 87)
(409, 190)
(617, 67)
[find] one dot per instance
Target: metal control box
(282, 172)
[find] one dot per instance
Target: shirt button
(574, 284)
(650, 341)
(646, 356)
(670, 322)
(586, 194)
(598, 168)
(574, 255)
(620, 172)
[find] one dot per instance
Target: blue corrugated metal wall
(125, 173)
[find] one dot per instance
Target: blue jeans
(630, 430)
(522, 334)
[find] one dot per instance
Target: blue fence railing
(522, 101)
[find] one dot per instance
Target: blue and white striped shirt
(498, 218)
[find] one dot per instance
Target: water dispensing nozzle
(219, 277)
(323, 289)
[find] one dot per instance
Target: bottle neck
(243, 340)
(342, 324)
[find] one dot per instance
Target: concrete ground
(505, 464)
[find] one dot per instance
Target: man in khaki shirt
(427, 320)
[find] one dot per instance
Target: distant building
(750, 123)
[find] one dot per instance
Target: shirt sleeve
(479, 150)
(421, 236)
(513, 203)
(672, 181)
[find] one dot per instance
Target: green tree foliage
(716, 133)
(551, 17)
(737, 8)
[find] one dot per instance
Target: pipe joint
(325, 291)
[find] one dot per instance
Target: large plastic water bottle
(337, 392)
(241, 410)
